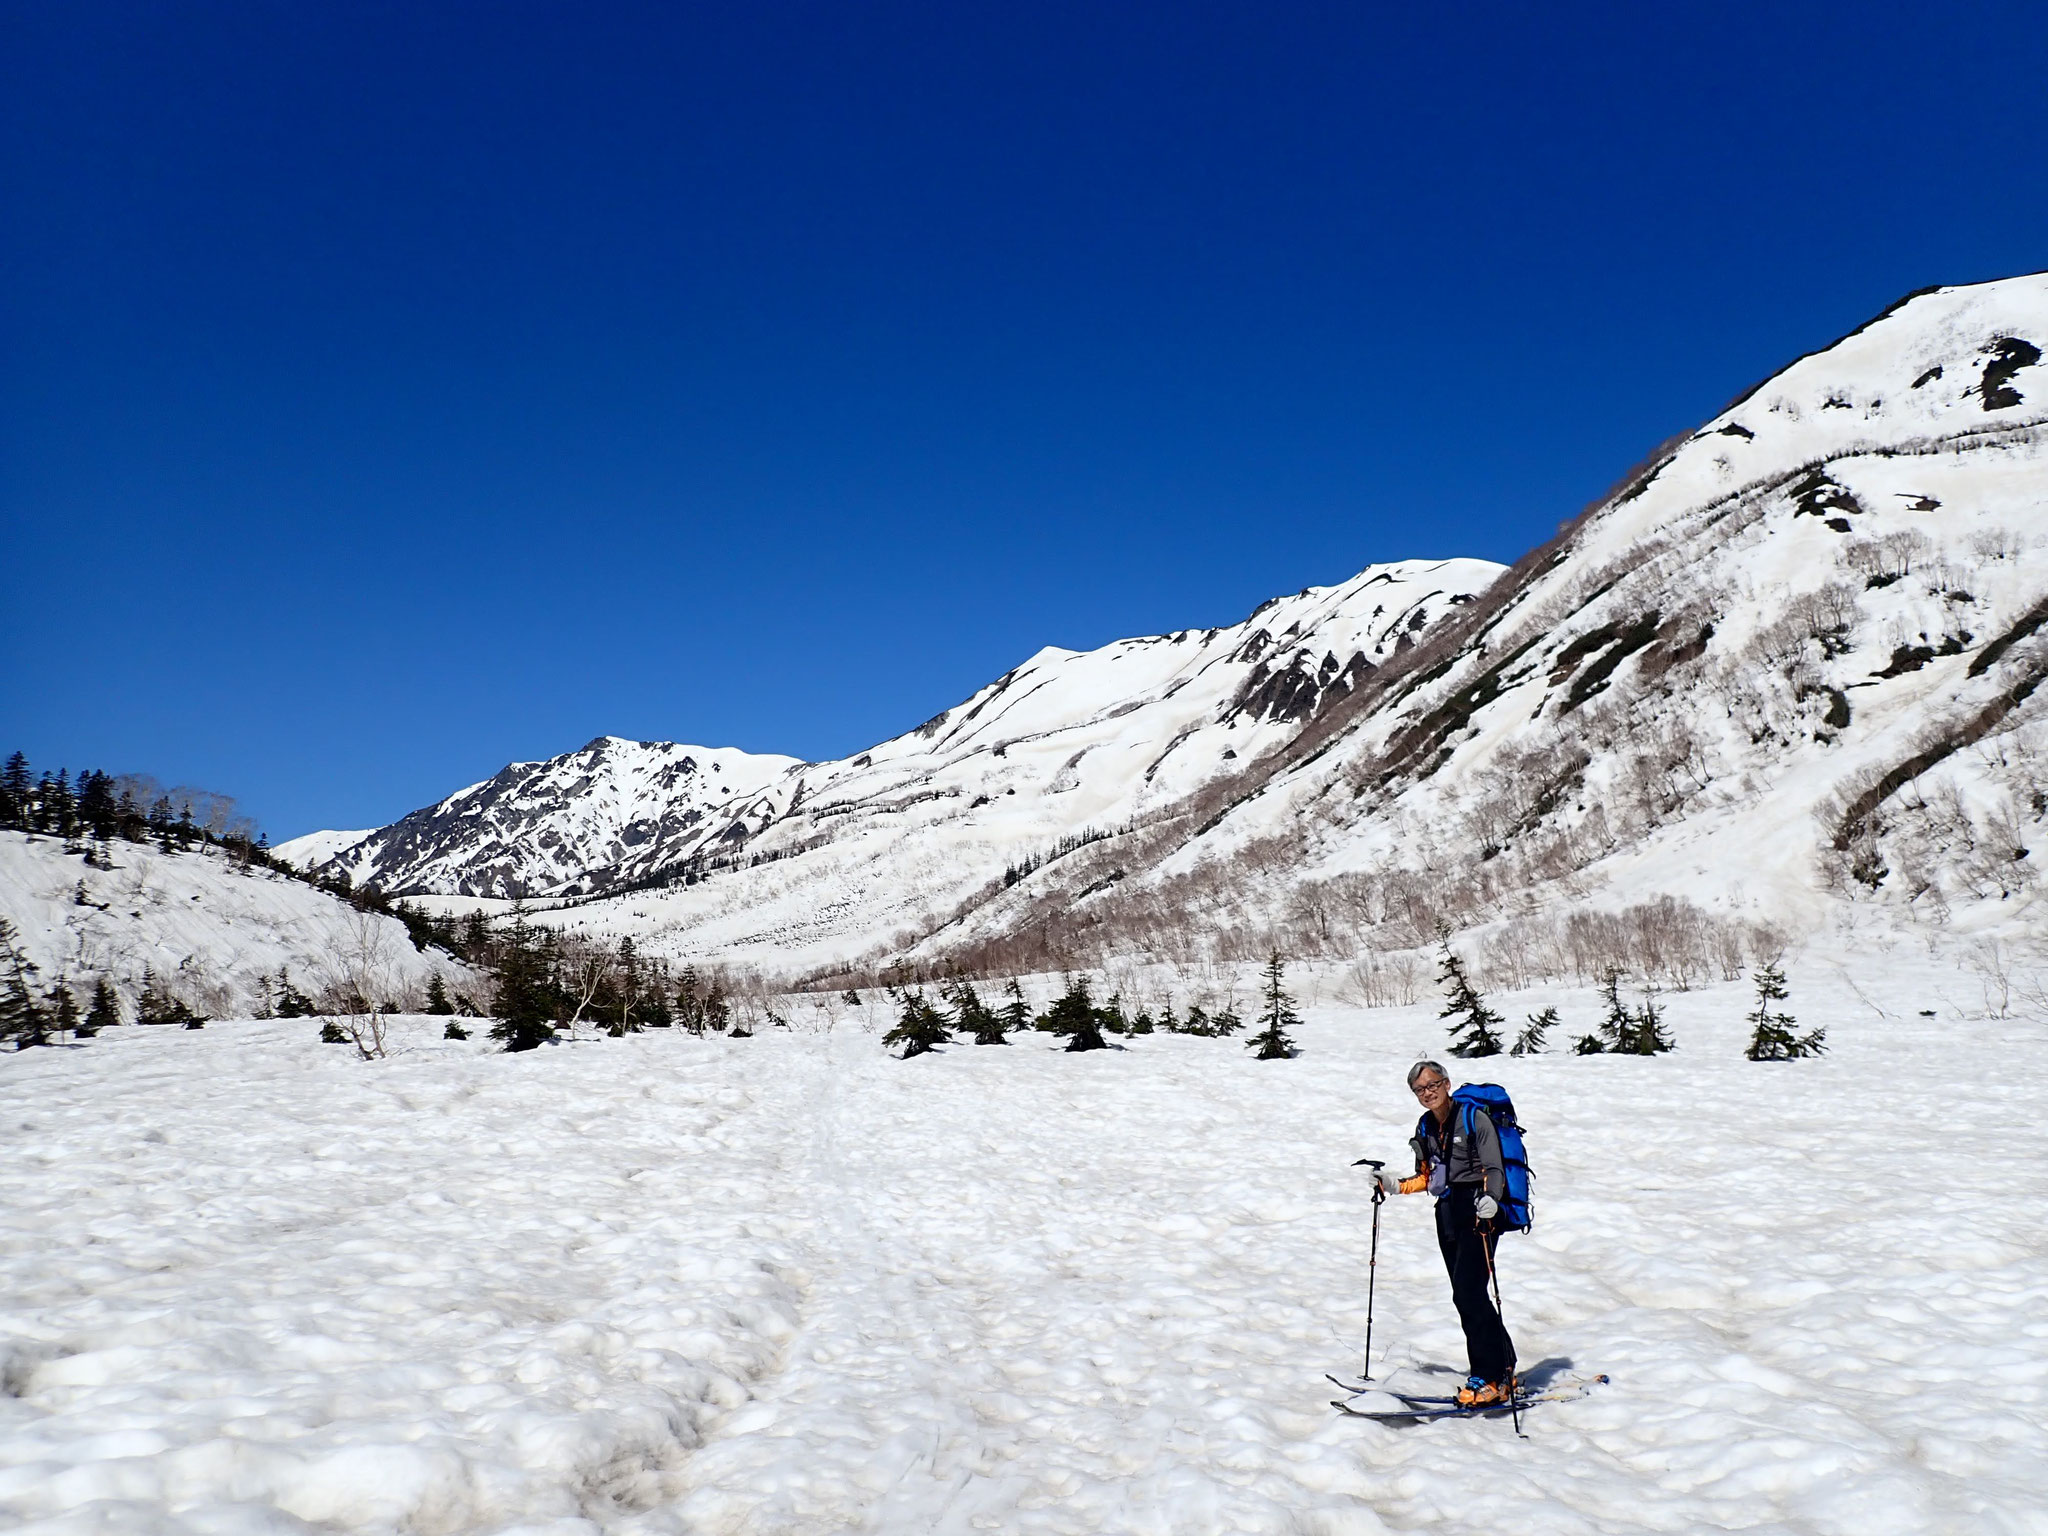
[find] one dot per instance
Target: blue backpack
(1516, 1212)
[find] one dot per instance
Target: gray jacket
(1449, 1155)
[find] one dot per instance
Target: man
(1457, 1159)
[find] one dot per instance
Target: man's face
(1431, 1090)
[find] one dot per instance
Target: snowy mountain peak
(604, 813)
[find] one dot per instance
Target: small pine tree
(1196, 1022)
(1530, 1041)
(1649, 1038)
(332, 1033)
(15, 788)
(438, 1001)
(22, 1018)
(1142, 1024)
(1111, 1015)
(1075, 1017)
(630, 983)
(1616, 1031)
(1475, 1030)
(291, 1002)
(1272, 1042)
(1773, 1039)
(523, 1002)
(972, 1016)
(104, 1010)
(921, 1027)
(454, 1031)
(851, 998)
(1015, 1013)
(159, 1005)
(1225, 1024)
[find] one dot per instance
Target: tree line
(1475, 1028)
(927, 1022)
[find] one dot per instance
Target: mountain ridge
(1682, 691)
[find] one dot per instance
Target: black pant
(1468, 1255)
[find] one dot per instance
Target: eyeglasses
(1424, 1090)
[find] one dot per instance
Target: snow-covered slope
(823, 858)
(665, 1285)
(1793, 661)
(205, 927)
(317, 848)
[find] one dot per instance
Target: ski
(1447, 1408)
(1579, 1384)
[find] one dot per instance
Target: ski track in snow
(792, 1285)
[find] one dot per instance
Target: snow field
(791, 1285)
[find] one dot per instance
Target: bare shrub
(1669, 941)
(359, 981)
(1383, 980)
(1997, 544)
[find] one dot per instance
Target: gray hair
(1426, 1066)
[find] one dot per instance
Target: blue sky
(389, 392)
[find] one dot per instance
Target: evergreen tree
(921, 1027)
(1617, 1030)
(60, 808)
(291, 1002)
(159, 1005)
(1016, 1013)
(454, 1031)
(1475, 1028)
(15, 789)
(332, 1033)
(655, 1011)
(1530, 1041)
(1773, 1039)
(523, 1000)
(1649, 1038)
(105, 1010)
(1272, 1042)
(851, 998)
(97, 805)
(630, 982)
(1196, 1022)
(1075, 1017)
(1111, 1015)
(974, 1017)
(1142, 1024)
(22, 1018)
(438, 1001)
(1225, 1023)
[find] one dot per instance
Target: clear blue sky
(392, 391)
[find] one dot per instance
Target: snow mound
(207, 929)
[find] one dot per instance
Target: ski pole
(1372, 1266)
(1514, 1382)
